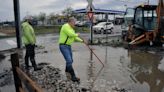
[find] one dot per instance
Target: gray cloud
(55, 5)
(34, 7)
(6, 10)
(62, 4)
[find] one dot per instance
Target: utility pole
(125, 6)
(17, 23)
(89, 9)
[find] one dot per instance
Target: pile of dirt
(51, 79)
(6, 78)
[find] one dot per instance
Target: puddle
(125, 70)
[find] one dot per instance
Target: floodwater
(125, 70)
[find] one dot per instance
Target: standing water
(124, 71)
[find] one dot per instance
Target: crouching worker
(67, 37)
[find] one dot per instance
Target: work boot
(71, 74)
(27, 68)
(76, 79)
(36, 68)
(68, 75)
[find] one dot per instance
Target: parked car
(103, 27)
(80, 23)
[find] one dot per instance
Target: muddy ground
(135, 70)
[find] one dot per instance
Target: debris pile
(109, 42)
(51, 79)
(6, 78)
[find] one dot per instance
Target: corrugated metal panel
(103, 11)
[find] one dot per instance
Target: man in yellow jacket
(29, 41)
(67, 37)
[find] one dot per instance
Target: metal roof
(100, 11)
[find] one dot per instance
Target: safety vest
(28, 35)
(68, 35)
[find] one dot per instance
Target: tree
(52, 18)
(42, 17)
(67, 12)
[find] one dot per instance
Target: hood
(98, 26)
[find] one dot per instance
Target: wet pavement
(125, 70)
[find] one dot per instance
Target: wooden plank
(140, 41)
(25, 78)
(136, 39)
(21, 89)
(15, 63)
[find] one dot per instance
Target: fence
(21, 77)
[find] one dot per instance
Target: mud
(51, 80)
(6, 77)
(133, 70)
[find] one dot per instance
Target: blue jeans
(67, 53)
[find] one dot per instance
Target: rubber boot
(68, 75)
(26, 63)
(34, 65)
(73, 76)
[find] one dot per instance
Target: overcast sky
(34, 7)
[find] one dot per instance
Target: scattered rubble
(2, 56)
(51, 79)
(6, 77)
(117, 42)
(160, 66)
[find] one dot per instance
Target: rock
(2, 56)
(51, 79)
(84, 90)
(6, 78)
